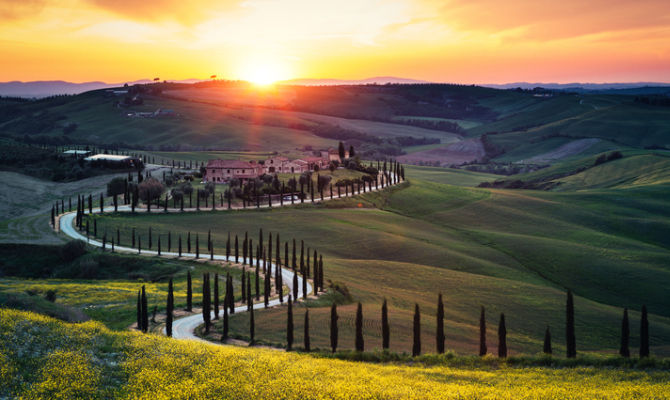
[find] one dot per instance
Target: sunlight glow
(264, 72)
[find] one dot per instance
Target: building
(282, 165)
(77, 153)
(314, 162)
(334, 155)
(220, 171)
(113, 159)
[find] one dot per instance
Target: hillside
(43, 358)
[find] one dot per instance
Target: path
(184, 328)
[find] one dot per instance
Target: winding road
(184, 328)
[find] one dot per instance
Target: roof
(77, 152)
(229, 164)
(108, 157)
(313, 159)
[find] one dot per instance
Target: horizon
(263, 42)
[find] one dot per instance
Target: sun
(264, 72)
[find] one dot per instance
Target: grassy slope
(512, 251)
(44, 358)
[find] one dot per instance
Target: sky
(457, 41)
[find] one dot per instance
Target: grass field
(45, 358)
(512, 251)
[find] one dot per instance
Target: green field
(45, 358)
(511, 251)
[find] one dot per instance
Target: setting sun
(263, 73)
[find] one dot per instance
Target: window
(228, 171)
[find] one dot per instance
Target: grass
(42, 357)
(512, 251)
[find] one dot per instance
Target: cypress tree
(216, 296)
(139, 310)
(624, 350)
(416, 347)
(197, 245)
(304, 287)
(258, 283)
(289, 325)
(252, 323)
(482, 333)
(502, 337)
(179, 245)
(244, 249)
(386, 330)
(169, 310)
(547, 341)
(244, 286)
(360, 345)
(295, 285)
(439, 337)
(53, 218)
(159, 245)
(139, 245)
(231, 300)
(333, 327)
(189, 292)
(266, 290)
(102, 203)
(206, 302)
(209, 239)
(237, 250)
(188, 242)
(145, 315)
(306, 335)
(644, 333)
(571, 345)
(224, 336)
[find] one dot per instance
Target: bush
(50, 295)
(116, 186)
(73, 250)
(150, 189)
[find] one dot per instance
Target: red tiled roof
(313, 159)
(229, 164)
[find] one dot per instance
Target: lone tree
(169, 310)
(386, 330)
(333, 327)
(139, 310)
(216, 296)
(644, 334)
(416, 347)
(206, 302)
(289, 325)
(547, 341)
(624, 350)
(252, 322)
(502, 337)
(306, 335)
(145, 314)
(439, 337)
(482, 332)
(571, 345)
(224, 336)
(189, 292)
(360, 344)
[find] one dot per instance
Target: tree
(150, 190)
(289, 325)
(482, 332)
(644, 333)
(306, 335)
(189, 292)
(295, 285)
(139, 310)
(340, 150)
(352, 153)
(145, 315)
(571, 345)
(439, 337)
(116, 186)
(237, 249)
(169, 310)
(206, 302)
(333, 327)
(547, 341)
(416, 347)
(224, 336)
(252, 322)
(502, 337)
(360, 345)
(216, 296)
(624, 350)
(228, 248)
(386, 331)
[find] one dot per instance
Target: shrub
(150, 189)
(73, 250)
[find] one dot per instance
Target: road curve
(184, 328)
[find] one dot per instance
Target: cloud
(544, 20)
(185, 11)
(18, 9)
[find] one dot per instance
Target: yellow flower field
(44, 358)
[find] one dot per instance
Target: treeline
(658, 100)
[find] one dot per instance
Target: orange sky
(464, 41)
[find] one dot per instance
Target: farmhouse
(284, 165)
(334, 155)
(220, 171)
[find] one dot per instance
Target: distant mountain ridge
(39, 89)
(379, 80)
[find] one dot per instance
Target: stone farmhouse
(220, 171)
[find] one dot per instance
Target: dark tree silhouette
(145, 314)
(502, 337)
(206, 302)
(306, 334)
(416, 347)
(482, 332)
(169, 310)
(216, 296)
(224, 336)
(360, 344)
(289, 325)
(547, 342)
(386, 330)
(439, 337)
(333, 327)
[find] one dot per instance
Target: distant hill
(40, 89)
(612, 88)
(379, 80)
